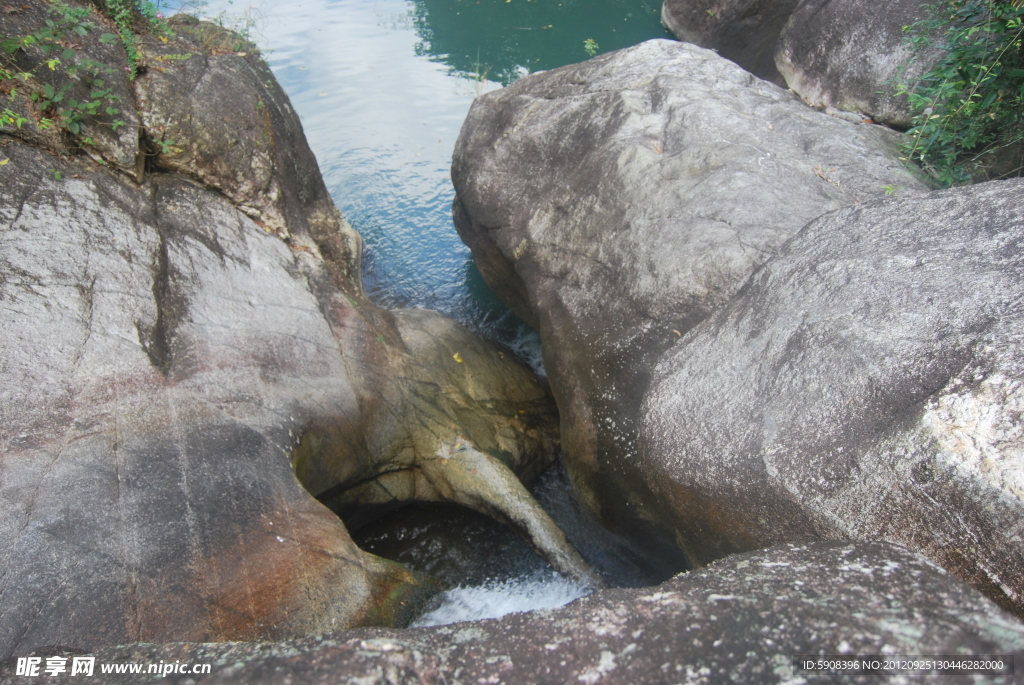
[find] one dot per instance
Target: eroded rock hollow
(184, 325)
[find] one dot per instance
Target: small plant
(969, 108)
(891, 190)
(68, 89)
(590, 47)
(54, 41)
(124, 14)
(9, 118)
(167, 147)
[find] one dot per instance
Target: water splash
(496, 598)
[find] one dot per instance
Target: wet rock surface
(747, 616)
(865, 384)
(616, 203)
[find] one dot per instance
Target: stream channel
(382, 88)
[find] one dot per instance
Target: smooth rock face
(744, 31)
(850, 55)
(159, 352)
(746, 617)
(166, 361)
(163, 358)
(616, 203)
(867, 383)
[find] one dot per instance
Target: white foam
(497, 598)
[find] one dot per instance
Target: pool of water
(382, 88)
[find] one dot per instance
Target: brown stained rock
(865, 384)
(160, 351)
(164, 356)
(616, 203)
(743, 619)
(158, 371)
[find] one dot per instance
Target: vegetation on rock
(65, 87)
(969, 108)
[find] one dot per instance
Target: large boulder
(615, 204)
(747, 619)
(169, 364)
(744, 31)
(850, 55)
(159, 353)
(866, 384)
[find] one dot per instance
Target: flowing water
(382, 88)
(492, 571)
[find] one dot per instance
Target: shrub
(969, 108)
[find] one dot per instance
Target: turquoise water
(382, 87)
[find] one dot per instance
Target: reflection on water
(504, 39)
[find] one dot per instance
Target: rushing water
(382, 88)
(492, 571)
